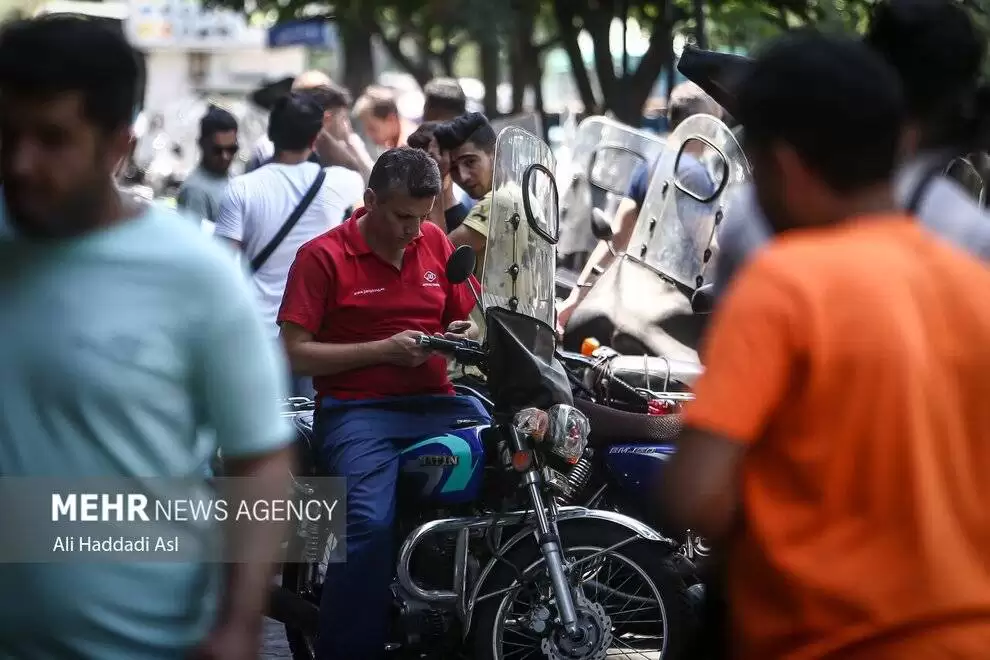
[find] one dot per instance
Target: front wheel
(631, 601)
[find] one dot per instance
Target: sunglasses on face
(225, 150)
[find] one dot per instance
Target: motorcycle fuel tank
(638, 468)
(444, 469)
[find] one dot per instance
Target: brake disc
(596, 640)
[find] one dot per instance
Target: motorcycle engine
(433, 561)
(421, 625)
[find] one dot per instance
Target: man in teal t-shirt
(126, 334)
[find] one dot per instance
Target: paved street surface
(275, 645)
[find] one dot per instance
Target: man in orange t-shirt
(839, 444)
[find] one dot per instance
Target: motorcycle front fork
(553, 558)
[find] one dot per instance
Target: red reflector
(522, 460)
(662, 407)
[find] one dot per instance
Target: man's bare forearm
(314, 358)
(601, 256)
(256, 545)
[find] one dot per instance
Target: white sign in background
(185, 25)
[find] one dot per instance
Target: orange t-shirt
(854, 364)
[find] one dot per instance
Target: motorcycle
(495, 562)
(672, 253)
(606, 156)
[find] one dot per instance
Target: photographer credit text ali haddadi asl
(139, 508)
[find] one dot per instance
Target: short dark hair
(444, 97)
(379, 101)
(473, 128)
(407, 169)
(935, 49)
(330, 97)
(56, 54)
(295, 121)
(421, 137)
(216, 120)
(832, 100)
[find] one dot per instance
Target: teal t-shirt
(131, 351)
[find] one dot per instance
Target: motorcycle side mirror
(600, 226)
(703, 299)
(460, 265)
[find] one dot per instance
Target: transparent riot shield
(529, 121)
(522, 227)
(692, 188)
(606, 155)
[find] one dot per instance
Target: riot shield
(605, 157)
(517, 280)
(522, 227)
(700, 167)
(529, 121)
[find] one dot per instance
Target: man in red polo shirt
(356, 299)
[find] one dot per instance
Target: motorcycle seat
(617, 427)
(656, 374)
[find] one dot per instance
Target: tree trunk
(358, 65)
(700, 29)
(538, 99)
(490, 74)
(518, 75)
(631, 93)
(569, 40)
(522, 56)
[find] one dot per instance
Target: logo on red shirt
(430, 276)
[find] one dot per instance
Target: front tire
(662, 567)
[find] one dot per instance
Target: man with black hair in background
(938, 53)
(259, 203)
(448, 212)
(203, 189)
(470, 141)
(126, 332)
(444, 99)
(337, 144)
(838, 442)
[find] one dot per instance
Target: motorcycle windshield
(606, 155)
(693, 185)
(522, 227)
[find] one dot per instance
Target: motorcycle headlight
(568, 432)
(532, 422)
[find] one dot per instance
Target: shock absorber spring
(579, 476)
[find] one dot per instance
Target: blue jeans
(361, 441)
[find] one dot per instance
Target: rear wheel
(632, 601)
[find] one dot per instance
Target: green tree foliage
(506, 39)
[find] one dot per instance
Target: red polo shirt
(344, 293)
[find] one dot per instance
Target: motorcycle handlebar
(464, 351)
